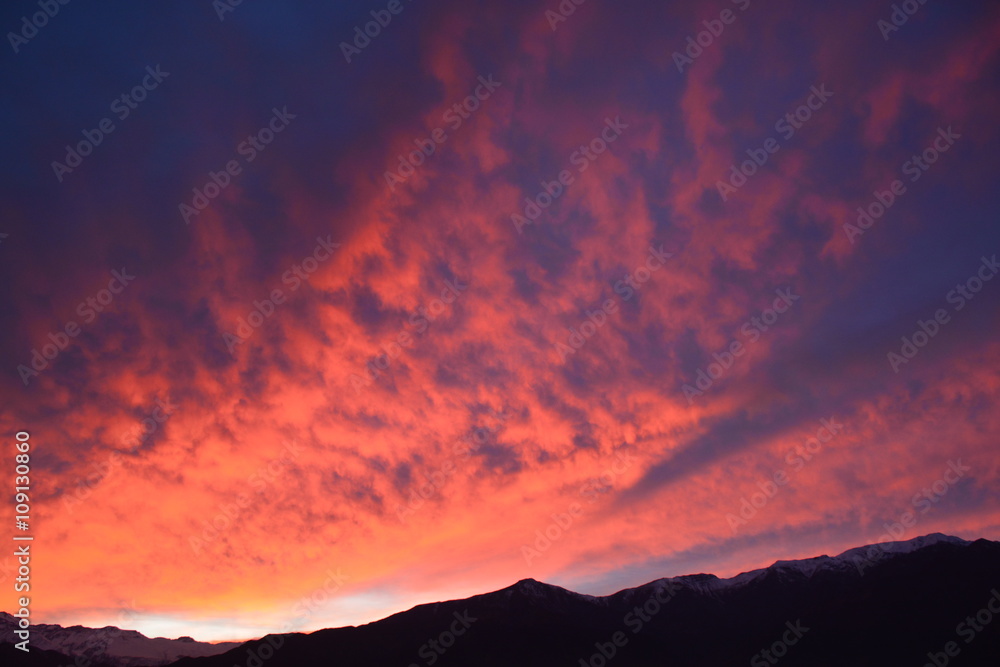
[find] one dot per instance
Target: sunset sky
(573, 317)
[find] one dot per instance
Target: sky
(308, 326)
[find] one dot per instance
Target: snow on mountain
(904, 547)
(893, 613)
(535, 589)
(808, 567)
(786, 569)
(125, 648)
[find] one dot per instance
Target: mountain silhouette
(900, 603)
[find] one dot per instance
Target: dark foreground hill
(906, 603)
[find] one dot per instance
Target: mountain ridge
(109, 644)
(894, 603)
(853, 557)
(890, 603)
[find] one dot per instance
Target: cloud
(473, 353)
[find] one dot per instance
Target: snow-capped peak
(902, 547)
(125, 648)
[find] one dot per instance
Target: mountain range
(932, 600)
(99, 647)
